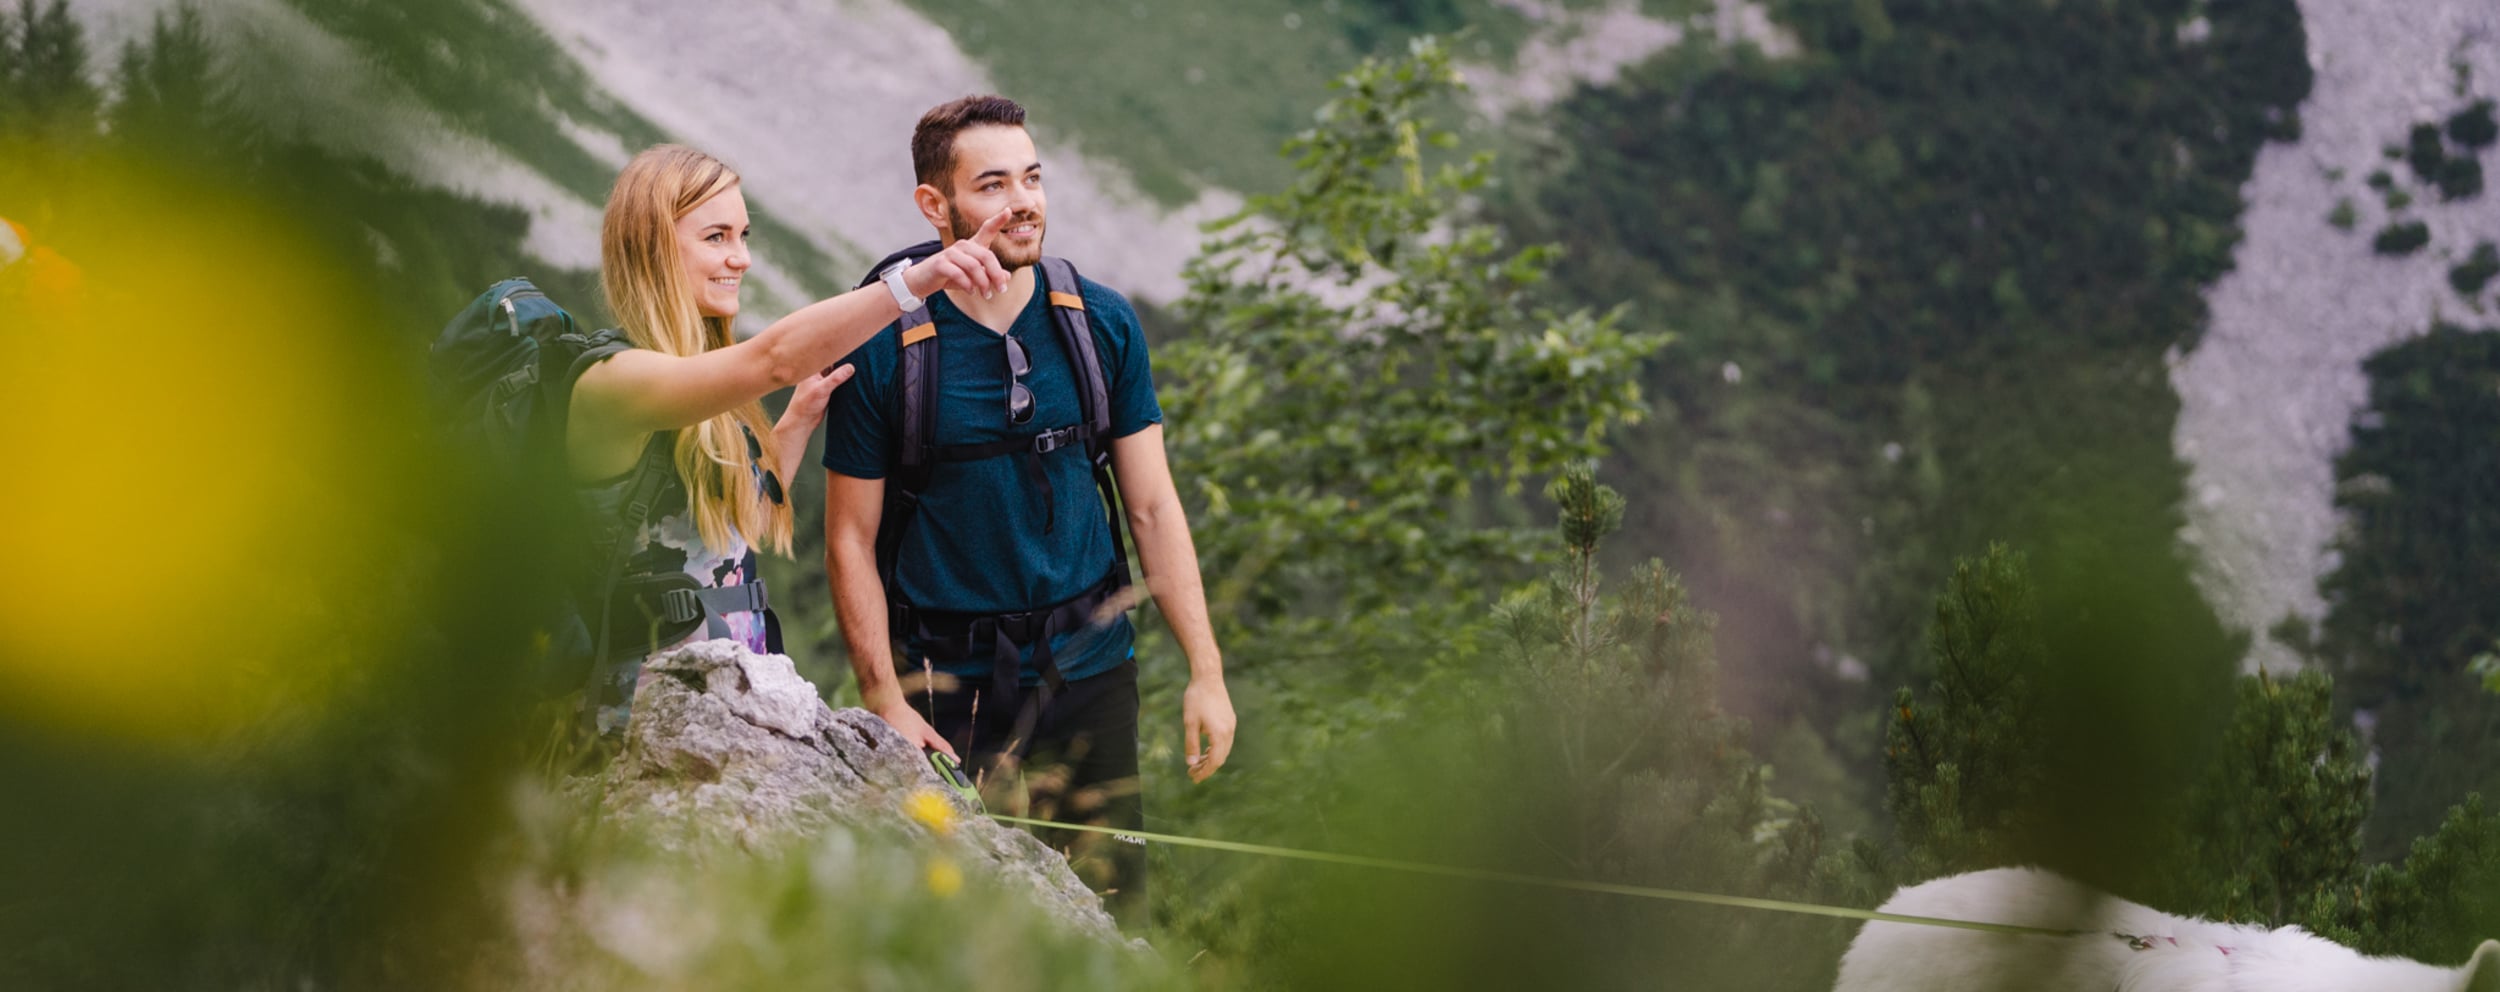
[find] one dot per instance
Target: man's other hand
(908, 722)
(1206, 726)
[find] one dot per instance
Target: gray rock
(732, 749)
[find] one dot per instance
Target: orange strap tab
(1068, 300)
(915, 335)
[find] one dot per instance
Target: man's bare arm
(853, 509)
(1170, 558)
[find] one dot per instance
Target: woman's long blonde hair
(649, 293)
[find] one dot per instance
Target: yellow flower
(944, 878)
(932, 809)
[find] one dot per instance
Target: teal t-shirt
(981, 543)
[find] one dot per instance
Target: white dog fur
(2169, 953)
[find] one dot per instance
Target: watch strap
(894, 284)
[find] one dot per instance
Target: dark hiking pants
(1079, 766)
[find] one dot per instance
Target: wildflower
(931, 809)
(944, 878)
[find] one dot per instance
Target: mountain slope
(536, 103)
(2268, 395)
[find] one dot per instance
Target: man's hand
(799, 420)
(1206, 715)
(907, 722)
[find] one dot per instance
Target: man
(1003, 546)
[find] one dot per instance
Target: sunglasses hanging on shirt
(1019, 399)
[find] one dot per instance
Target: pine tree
(2274, 829)
(2442, 900)
(49, 90)
(168, 94)
(47, 106)
(1963, 766)
(9, 70)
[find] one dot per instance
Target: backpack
(502, 374)
(916, 455)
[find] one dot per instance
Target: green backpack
(503, 372)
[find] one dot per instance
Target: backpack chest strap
(1028, 452)
(1039, 444)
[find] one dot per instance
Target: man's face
(997, 169)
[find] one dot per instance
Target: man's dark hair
(933, 142)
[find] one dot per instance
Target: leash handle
(952, 775)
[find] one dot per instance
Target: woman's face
(712, 241)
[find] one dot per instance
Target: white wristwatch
(903, 298)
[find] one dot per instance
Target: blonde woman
(673, 253)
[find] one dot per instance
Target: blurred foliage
(2410, 603)
(890, 907)
(1607, 720)
(2265, 827)
(268, 704)
(1574, 734)
(256, 710)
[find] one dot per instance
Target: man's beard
(966, 227)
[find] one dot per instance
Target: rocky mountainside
(732, 751)
(740, 803)
(2269, 394)
(535, 103)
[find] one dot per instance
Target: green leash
(1514, 878)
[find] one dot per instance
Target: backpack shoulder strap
(1076, 332)
(652, 474)
(1066, 292)
(915, 438)
(574, 352)
(916, 399)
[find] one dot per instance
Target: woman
(673, 252)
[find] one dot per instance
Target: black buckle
(1048, 442)
(680, 606)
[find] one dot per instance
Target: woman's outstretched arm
(641, 391)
